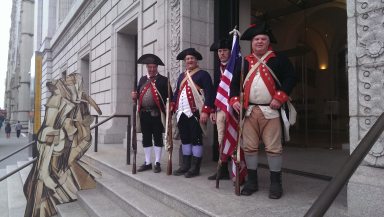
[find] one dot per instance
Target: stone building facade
(340, 71)
(17, 91)
(101, 40)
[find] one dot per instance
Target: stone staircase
(119, 193)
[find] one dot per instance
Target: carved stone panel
(358, 129)
(175, 29)
(366, 34)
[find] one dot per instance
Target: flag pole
(240, 129)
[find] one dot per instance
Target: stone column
(26, 51)
(366, 94)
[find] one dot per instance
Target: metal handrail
(324, 201)
(18, 169)
(17, 151)
(93, 127)
(96, 127)
(31, 143)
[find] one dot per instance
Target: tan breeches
(220, 124)
(256, 129)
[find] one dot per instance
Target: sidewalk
(10, 145)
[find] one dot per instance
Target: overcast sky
(5, 25)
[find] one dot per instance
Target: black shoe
(251, 185)
(186, 165)
(195, 168)
(157, 168)
(224, 174)
(213, 177)
(144, 167)
(276, 187)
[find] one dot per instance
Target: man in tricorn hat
(152, 91)
(193, 101)
(263, 97)
(223, 49)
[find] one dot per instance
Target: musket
(240, 131)
(219, 164)
(134, 136)
(168, 128)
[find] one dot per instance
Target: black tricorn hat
(150, 59)
(189, 51)
(260, 27)
(221, 44)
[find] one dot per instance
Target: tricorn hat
(221, 44)
(189, 51)
(150, 59)
(260, 27)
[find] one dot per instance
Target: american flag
(222, 102)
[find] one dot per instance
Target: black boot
(251, 185)
(276, 188)
(186, 165)
(195, 168)
(224, 174)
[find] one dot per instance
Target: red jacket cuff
(233, 100)
(281, 96)
(206, 109)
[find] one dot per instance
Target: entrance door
(313, 34)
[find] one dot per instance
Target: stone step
(71, 209)
(24, 172)
(134, 181)
(16, 198)
(95, 203)
(3, 195)
(133, 201)
(199, 197)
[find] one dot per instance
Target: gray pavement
(9, 145)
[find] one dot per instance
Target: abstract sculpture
(63, 139)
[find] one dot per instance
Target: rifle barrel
(169, 166)
(169, 128)
(134, 138)
(218, 173)
(237, 187)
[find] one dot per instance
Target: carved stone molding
(81, 17)
(368, 18)
(370, 33)
(175, 39)
(370, 90)
(375, 156)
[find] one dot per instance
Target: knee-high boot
(186, 165)
(251, 185)
(195, 168)
(276, 188)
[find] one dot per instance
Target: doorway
(313, 34)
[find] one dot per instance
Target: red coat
(267, 77)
